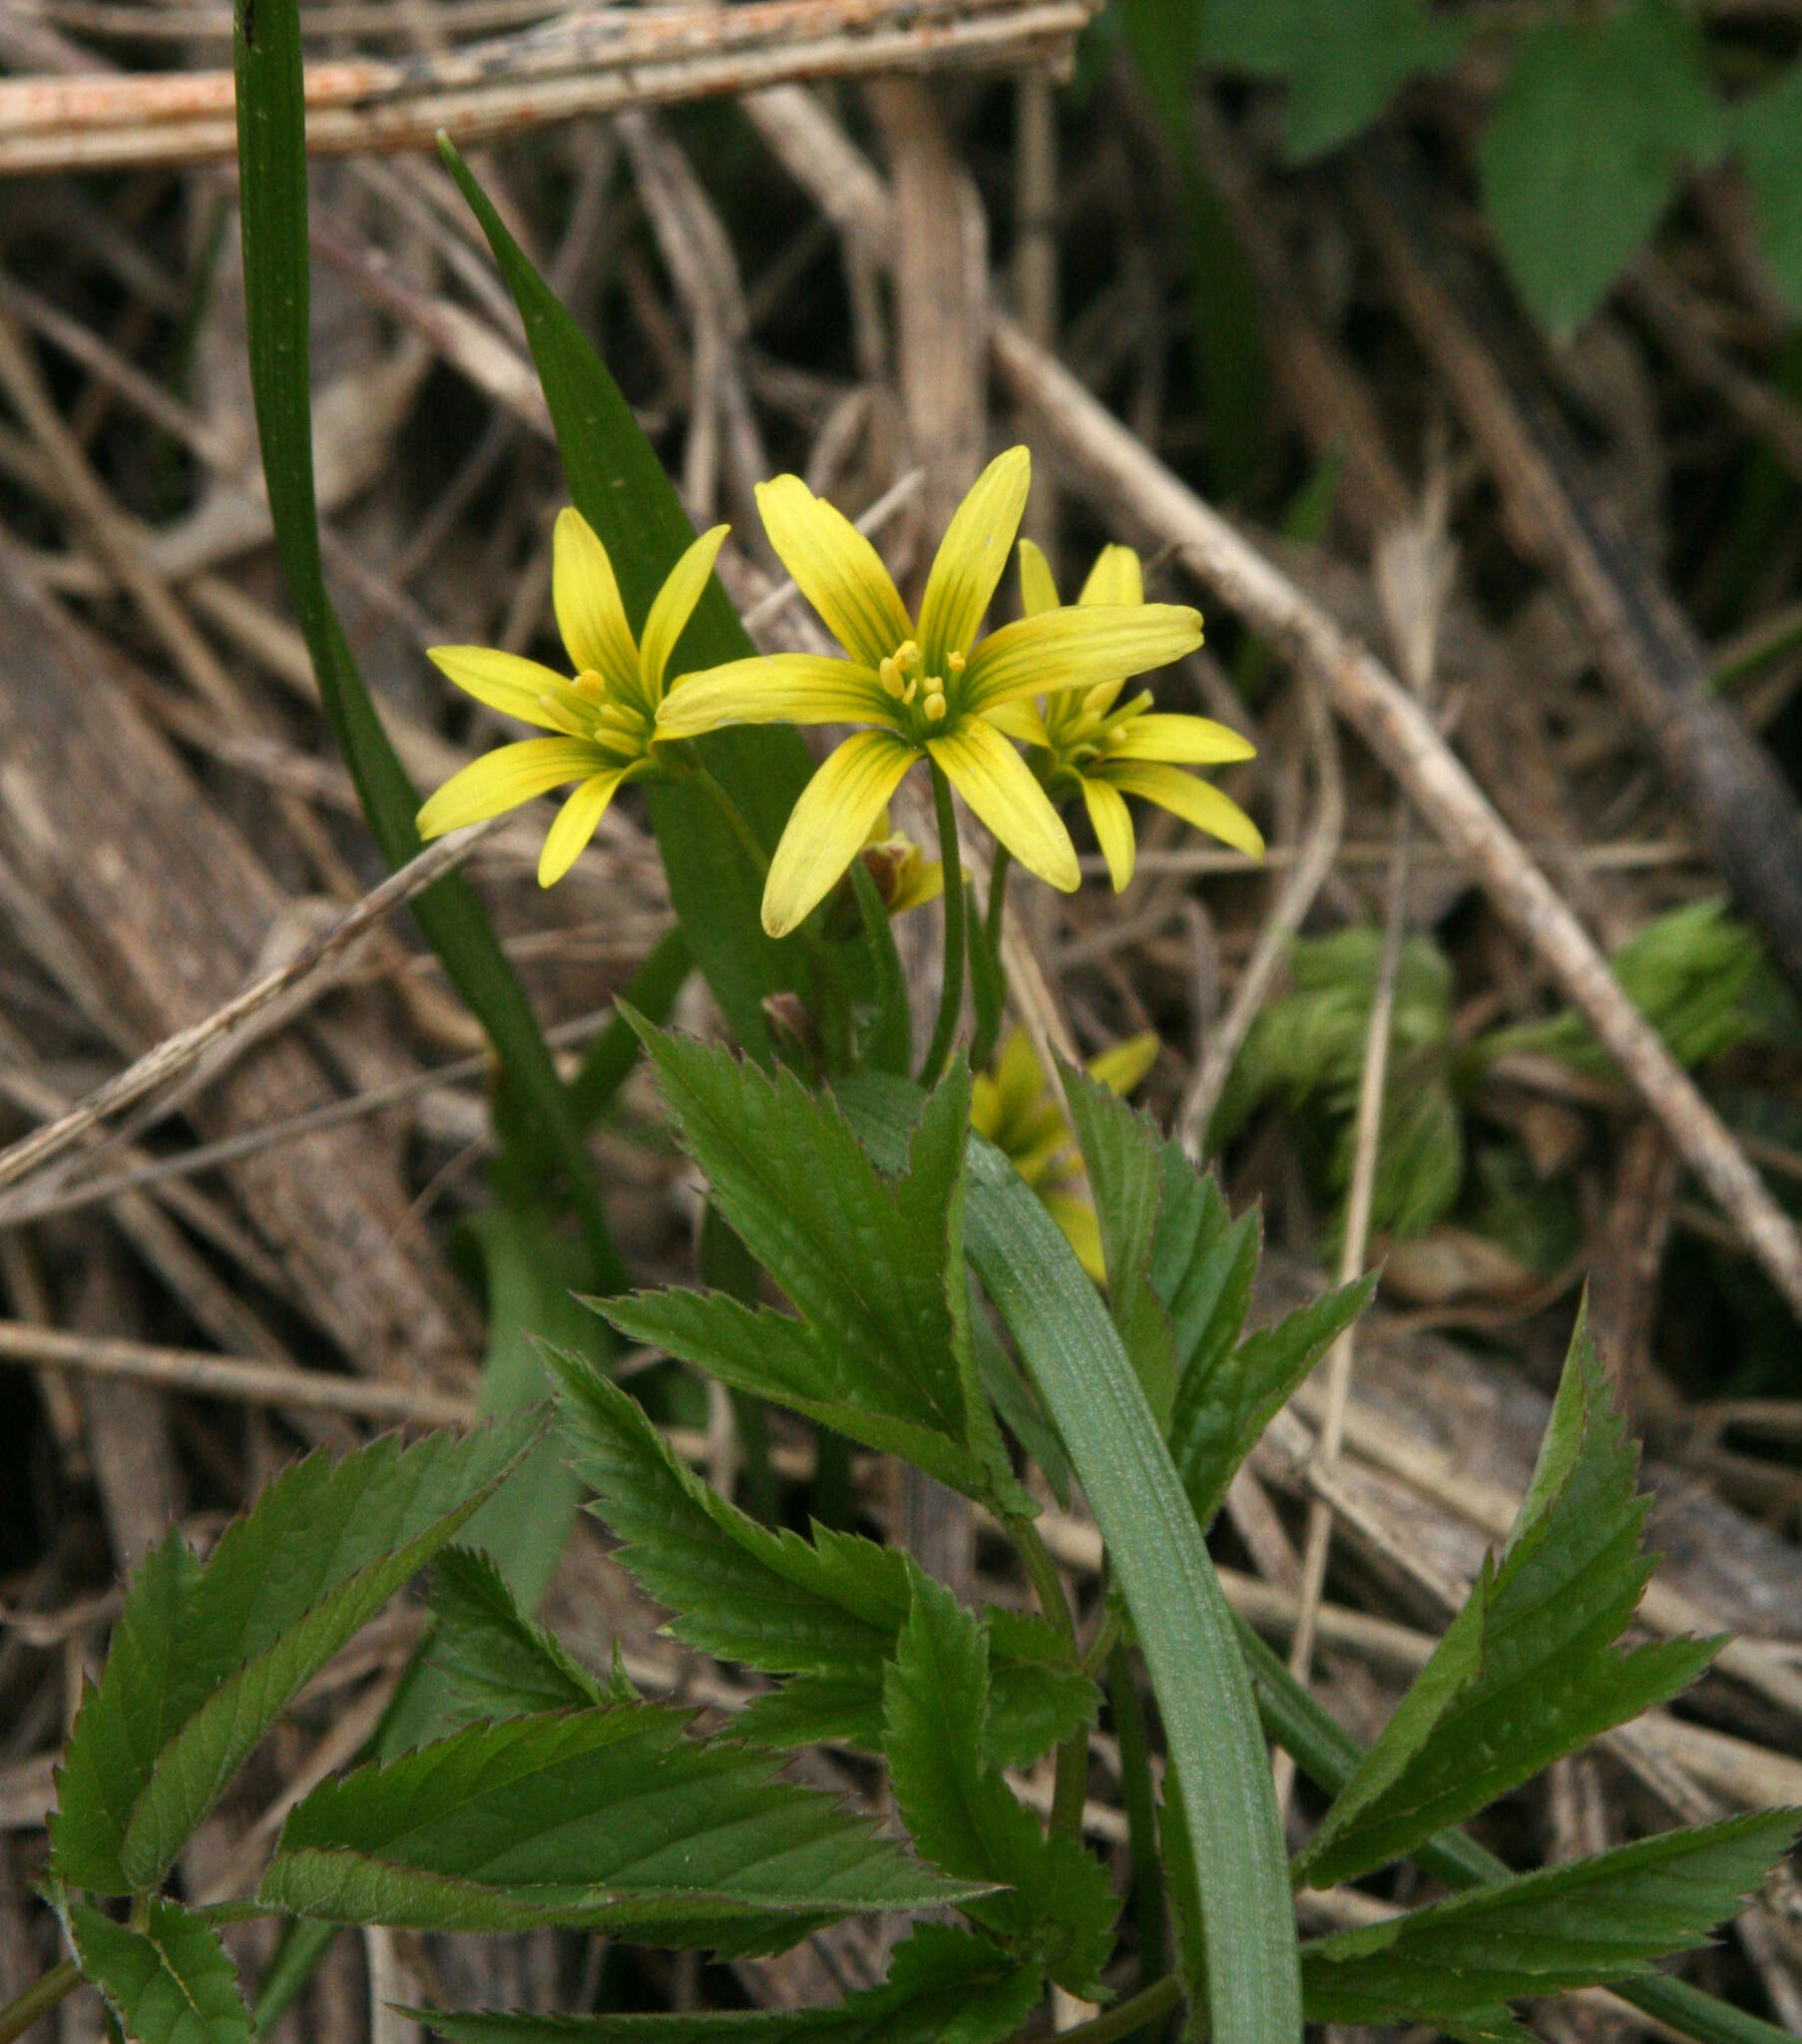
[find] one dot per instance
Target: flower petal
(1021, 720)
(1037, 591)
(1197, 802)
(1076, 646)
(503, 681)
(1082, 1230)
(829, 823)
(673, 607)
(971, 557)
(503, 779)
(773, 688)
(999, 786)
(586, 597)
(1112, 823)
(1115, 576)
(1122, 1065)
(574, 824)
(836, 570)
(1182, 741)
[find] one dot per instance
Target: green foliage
(1586, 145)
(881, 1350)
(826, 1610)
(944, 1987)
(204, 1659)
(498, 1663)
(1694, 973)
(604, 1820)
(1591, 1920)
(1527, 1670)
(1343, 62)
(1056, 1905)
(170, 1981)
(1074, 1355)
(272, 159)
(1308, 1045)
(1180, 1271)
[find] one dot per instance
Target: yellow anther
(889, 674)
(1096, 698)
(955, 662)
(934, 707)
(591, 685)
(911, 691)
(908, 653)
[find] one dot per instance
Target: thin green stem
(1107, 1638)
(998, 895)
(951, 998)
(36, 2003)
(1042, 1573)
(1070, 1786)
(748, 842)
(1146, 2006)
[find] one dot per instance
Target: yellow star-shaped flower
(925, 690)
(1106, 750)
(604, 718)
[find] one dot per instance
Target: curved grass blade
(272, 153)
(1183, 1624)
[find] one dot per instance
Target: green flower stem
(1146, 2006)
(748, 842)
(36, 2003)
(1042, 1573)
(998, 895)
(1129, 1709)
(1107, 1639)
(1070, 1786)
(951, 998)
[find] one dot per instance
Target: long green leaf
(944, 1987)
(203, 1659)
(1592, 1921)
(170, 1981)
(604, 1820)
(1527, 1670)
(617, 484)
(1183, 1624)
(271, 156)
(1330, 1756)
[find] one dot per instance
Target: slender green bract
(271, 155)
(1183, 1624)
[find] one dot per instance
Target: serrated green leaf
(207, 1658)
(824, 1610)
(964, 1816)
(1585, 145)
(1220, 1415)
(1769, 130)
(170, 1982)
(603, 1820)
(1253, 1993)
(874, 1267)
(619, 485)
(1592, 1921)
(944, 1987)
(496, 1661)
(1121, 1152)
(1527, 1672)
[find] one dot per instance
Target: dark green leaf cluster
(1601, 114)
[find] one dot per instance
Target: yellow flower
(925, 690)
(905, 877)
(1016, 1109)
(605, 720)
(1107, 749)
